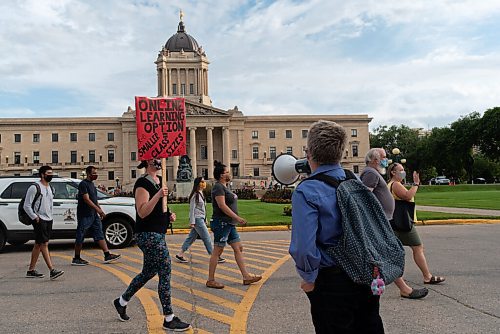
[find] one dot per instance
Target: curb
(419, 223)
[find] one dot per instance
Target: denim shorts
(224, 233)
(92, 223)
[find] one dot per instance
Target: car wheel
(118, 233)
(2, 239)
(18, 242)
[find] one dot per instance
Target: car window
(16, 190)
(64, 190)
(100, 194)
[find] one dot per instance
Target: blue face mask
(384, 163)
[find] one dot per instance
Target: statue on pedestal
(185, 171)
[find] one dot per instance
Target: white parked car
(440, 180)
(117, 225)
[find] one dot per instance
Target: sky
(419, 63)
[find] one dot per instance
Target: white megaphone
(287, 169)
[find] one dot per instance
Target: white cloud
(430, 63)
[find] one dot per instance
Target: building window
(235, 170)
(36, 157)
(204, 173)
(17, 158)
(73, 175)
(92, 156)
(272, 134)
(354, 150)
(0, 138)
(255, 134)
(55, 137)
(234, 154)
(289, 150)
(304, 133)
(111, 155)
(255, 152)
(73, 137)
(36, 137)
(55, 157)
(111, 175)
(288, 134)
(91, 136)
(133, 173)
(354, 132)
(183, 89)
(355, 169)
(272, 152)
(191, 89)
(111, 136)
(17, 138)
(256, 171)
(73, 157)
(204, 152)
(174, 89)
(133, 156)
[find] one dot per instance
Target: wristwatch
(416, 185)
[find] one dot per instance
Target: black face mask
(48, 178)
(157, 164)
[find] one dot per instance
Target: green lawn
(258, 213)
(427, 215)
(255, 212)
(460, 196)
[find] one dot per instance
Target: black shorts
(43, 230)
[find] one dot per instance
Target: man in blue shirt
(338, 305)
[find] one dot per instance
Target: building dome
(181, 41)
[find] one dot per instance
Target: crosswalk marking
(229, 307)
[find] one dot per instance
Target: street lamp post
(396, 156)
(82, 175)
(117, 182)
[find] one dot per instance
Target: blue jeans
(90, 222)
(223, 232)
(199, 229)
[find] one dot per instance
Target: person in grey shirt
(41, 214)
(376, 164)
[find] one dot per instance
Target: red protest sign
(161, 127)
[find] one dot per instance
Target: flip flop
(435, 280)
(417, 294)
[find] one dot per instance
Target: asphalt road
(80, 301)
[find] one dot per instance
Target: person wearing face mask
(197, 220)
(376, 164)
(89, 215)
(41, 214)
(397, 174)
(150, 228)
(224, 220)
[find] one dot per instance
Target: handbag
(402, 218)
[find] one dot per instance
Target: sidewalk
(480, 212)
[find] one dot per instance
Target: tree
(489, 128)
(466, 134)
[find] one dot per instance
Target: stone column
(169, 83)
(178, 81)
(125, 157)
(241, 156)
(226, 151)
(192, 150)
(175, 166)
(210, 152)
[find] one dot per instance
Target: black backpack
(367, 247)
(21, 214)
